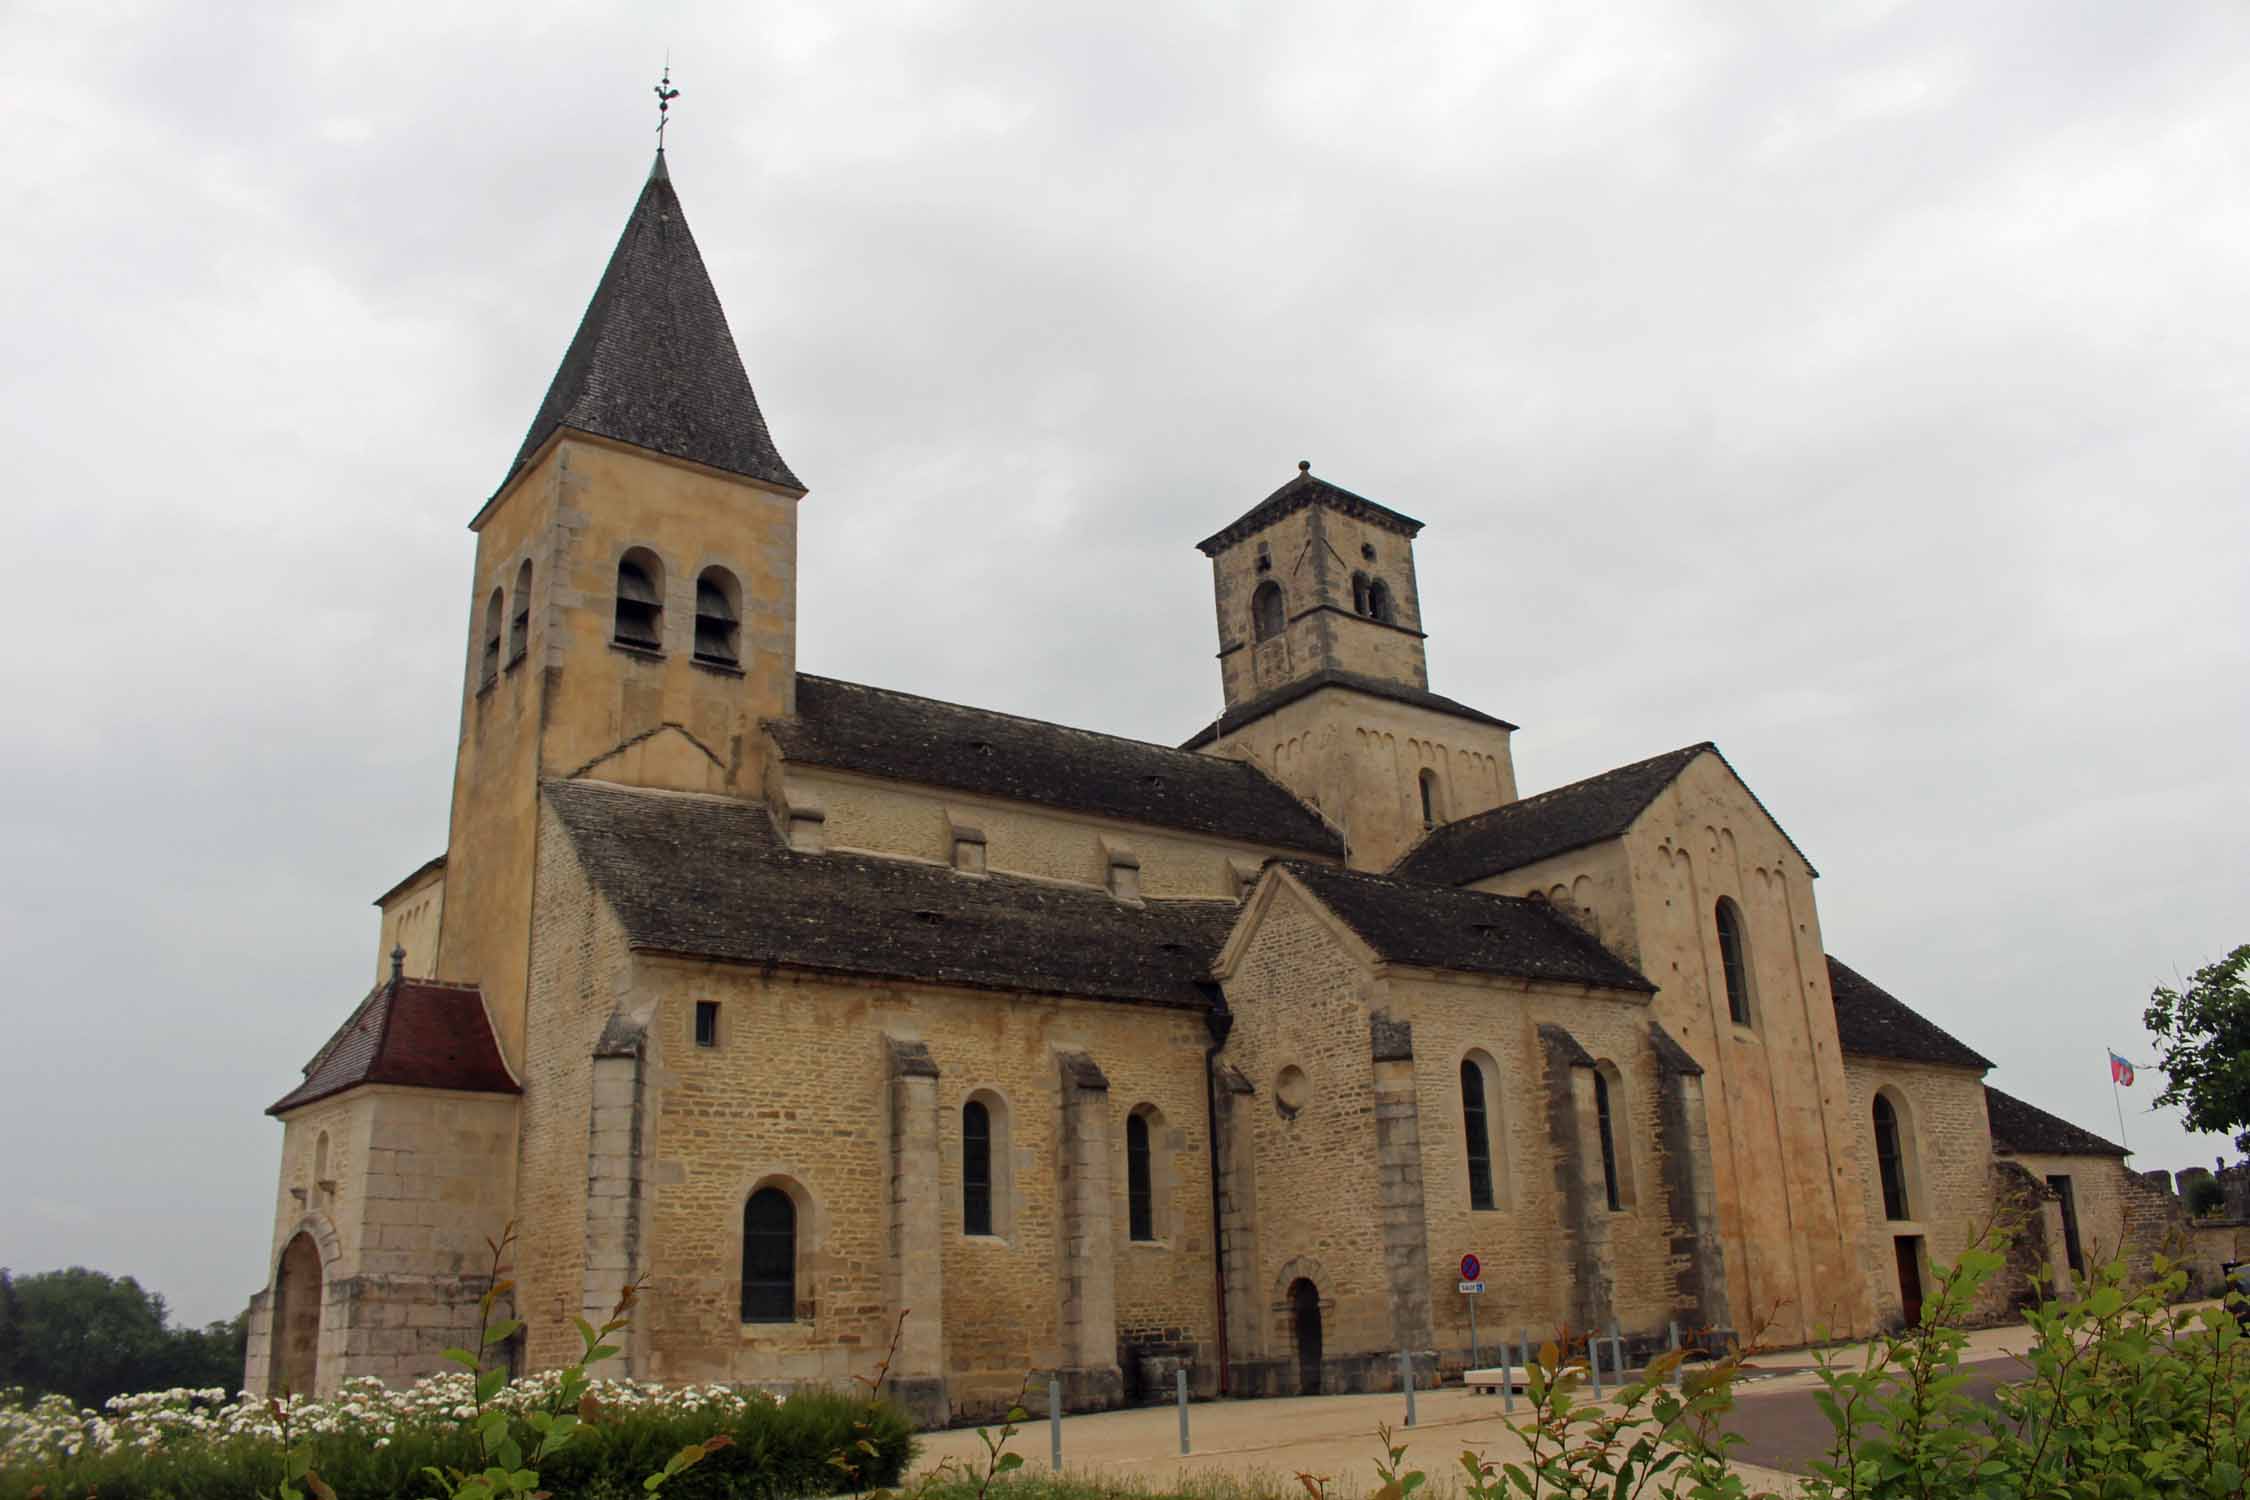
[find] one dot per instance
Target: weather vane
(665, 94)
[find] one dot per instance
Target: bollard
(1507, 1379)
(1672, 1342)
(1406, 1378)
(1617, 1354)
(1181, 1383)
(1054, 1424)
(1594, 1360)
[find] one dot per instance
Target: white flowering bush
(50, 1429)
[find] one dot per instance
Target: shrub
(2205, 1196)
(192, 1445)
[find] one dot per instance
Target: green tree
(91, 1336)
(2203, 1031)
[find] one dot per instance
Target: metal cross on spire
(665, 94)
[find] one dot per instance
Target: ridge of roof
(907, 737)
(2027, 1130)
(1872, 1022)
(710, 877)
(1538, 827)
(1230, 720)
(653, 363)
(414, 1033)
(1303, 490)
(1464, 931)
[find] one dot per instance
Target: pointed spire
(653, 363)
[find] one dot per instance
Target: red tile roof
(416, 1033)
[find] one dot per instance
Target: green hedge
(779, 1450)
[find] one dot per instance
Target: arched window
(1604, 1123)
(319, 1194)
(1433, 800)
(769, 1257)
(718, 618)
(1476, 1128)
(1265, 611)
(1734, 958)
(976, 1168)
(492, 613)
(1890, 1161)
(1140, 1184)
(519, 629)
(1359, 593)
(1379, 601)
(640, 600)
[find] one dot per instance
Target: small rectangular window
(707, 1023)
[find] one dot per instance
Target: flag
(2120, 1071)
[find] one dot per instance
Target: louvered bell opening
(519, 635)
(640, 609)
(717, 631)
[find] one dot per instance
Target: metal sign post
(1472, 1288)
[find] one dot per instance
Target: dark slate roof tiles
(1468, 932)
(709, 877)
(1872, 1022)
(417, 1033)
(1535, 828)
(2028, 1130)
(653, 363)
(1301, 491)
(902, 737)
(1304, 687)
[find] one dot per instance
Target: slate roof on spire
(653, 363)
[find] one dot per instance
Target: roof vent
(982, 747)
(1152, 781)
(1171, 947)
(932, 917)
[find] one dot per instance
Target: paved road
(1786, 1429)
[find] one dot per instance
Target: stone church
(839, 1014)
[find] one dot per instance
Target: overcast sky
(1860, 386)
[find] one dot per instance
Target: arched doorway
(1304, 1323)
(296, 1318)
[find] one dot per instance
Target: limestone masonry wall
(1947, 1146)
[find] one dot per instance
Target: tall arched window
(1265, 611)
(1359, 593)
(1608, 1131)
(976, 1168)
(1140, 1183)
(320, 1179)
(718, 618)
(1433, 799)
(769, 1257)
(1476, 1129)
(493, 608)
(519, 629)
(1890, 1160)
(640, 600)
(1734, 958)
(1379, 601)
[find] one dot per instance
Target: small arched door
(1304, 1321)
(296, 1319)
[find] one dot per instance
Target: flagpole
(2117, 1099)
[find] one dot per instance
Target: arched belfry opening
(298, 1294)
(1304, 1332)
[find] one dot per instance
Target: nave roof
(903, 737)
(709, 877)
(1872, 1022)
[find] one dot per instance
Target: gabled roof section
(1872, 1022)
(708, 877)
(414, 1033)
(1467, 932)
(876, 732)
(1298, 493)
(653, 363)
(1535, 828)
(2028, 1130)
(1304, 687)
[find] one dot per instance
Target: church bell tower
(1325, 681)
